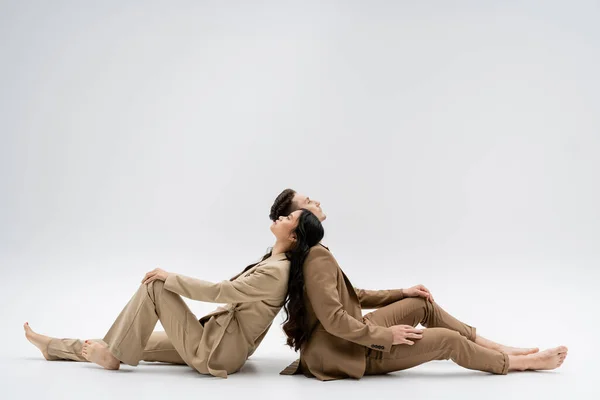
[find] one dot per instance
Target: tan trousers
(131, 337)
(445, 338)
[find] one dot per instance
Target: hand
(403, 332)
(418, 291)
(155, 274)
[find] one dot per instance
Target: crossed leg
(449, 338)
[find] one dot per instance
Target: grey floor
(550, 305)
(32, 377)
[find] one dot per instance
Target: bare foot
(39, 341)
(517, 351)
(99, 354)
(545, 360)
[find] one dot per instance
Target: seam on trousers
(155, 351)
(400, 358)
(370, 315)
(64, 351)
(183, 325)
(131, 324)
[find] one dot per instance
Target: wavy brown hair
(308, 234)
(295, 325)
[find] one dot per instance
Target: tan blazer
(337, 345)
(232, 333)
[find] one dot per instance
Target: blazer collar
(325, 246)
(274, 257)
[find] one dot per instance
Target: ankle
(517, 363)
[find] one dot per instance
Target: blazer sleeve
(265, 282)
(320, 278)
(378, 298)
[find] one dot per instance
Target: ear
(293, 237)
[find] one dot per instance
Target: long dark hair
(309, 232)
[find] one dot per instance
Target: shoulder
(319, 256)
(318, 250)
(276, 268)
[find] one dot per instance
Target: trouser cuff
(506, 364)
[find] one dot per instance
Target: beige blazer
(232, 333)
(337, 345)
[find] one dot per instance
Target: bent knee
(155, 286)
(415, 302)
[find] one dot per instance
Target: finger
(414, 336)
(414, 330)
(423, 288)
(408, 342)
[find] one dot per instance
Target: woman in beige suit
(220, 342)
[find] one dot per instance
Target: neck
(279, 248)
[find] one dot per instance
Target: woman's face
(282, 228)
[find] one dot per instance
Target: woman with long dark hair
(217, 344)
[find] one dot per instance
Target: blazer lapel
(348, 283)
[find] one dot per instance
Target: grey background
(452, 144)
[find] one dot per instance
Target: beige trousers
(159, 348)
(131, 337)
(445, 338)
